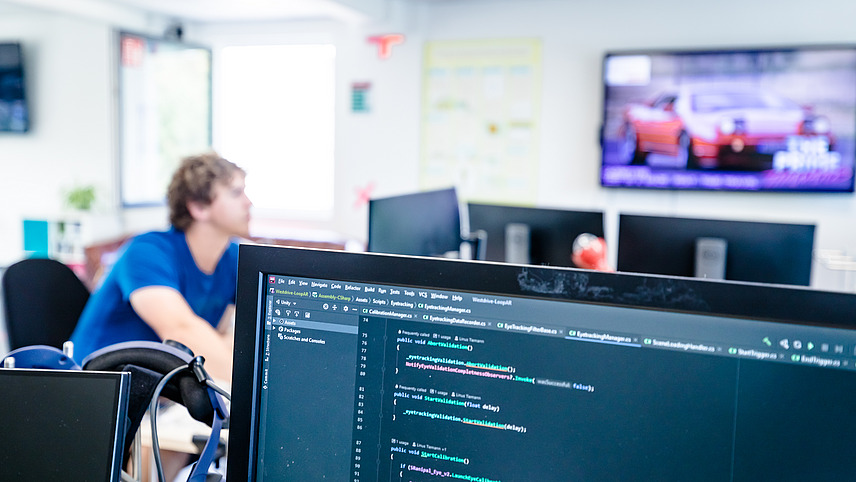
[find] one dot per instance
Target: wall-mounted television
(776, 119)
(14, 113)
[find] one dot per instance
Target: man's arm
(226, 325)
(169, 315)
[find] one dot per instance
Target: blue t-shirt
(153, 259)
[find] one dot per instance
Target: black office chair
(43, 299)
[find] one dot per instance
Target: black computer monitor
(425, 223)
(370, 367)
(738, 250)
(62, 424)
(532, 235)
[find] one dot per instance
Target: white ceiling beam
(124, 12)
(369, 9)
(110, 12)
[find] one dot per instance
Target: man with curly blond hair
(178, 284)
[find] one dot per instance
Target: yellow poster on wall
(480, 115)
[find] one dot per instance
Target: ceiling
(211, 11)
(242, 10)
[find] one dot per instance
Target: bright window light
(275, 118)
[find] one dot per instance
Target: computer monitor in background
(367, 367)
(425, 223)
(733, 250)
(62, 424)
(527, 235)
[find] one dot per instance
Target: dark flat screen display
(755, 251)
(551, 231)
(779, 119)
(426, 223)
(62, 424)
(368, 367)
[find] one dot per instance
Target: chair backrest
(43, 299)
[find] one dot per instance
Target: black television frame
(760, 252)
(783, 304)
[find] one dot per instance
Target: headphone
(169, 369)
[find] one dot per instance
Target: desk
(176, 429)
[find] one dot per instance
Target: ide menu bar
(312, 301)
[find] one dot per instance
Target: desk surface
(176, 429)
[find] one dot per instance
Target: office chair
(43, 299)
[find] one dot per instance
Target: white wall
(69, 68)
(72, 137)
(575, 35)
(382, 148)
(70, 142)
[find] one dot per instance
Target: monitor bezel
(778, 303)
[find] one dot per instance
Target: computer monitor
(735, 250)
(369, 367)
(425, 223)
(528, 235)
(62, 424)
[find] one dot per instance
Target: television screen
(738, 120)
(14, 115)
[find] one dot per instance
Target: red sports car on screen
(715, 127)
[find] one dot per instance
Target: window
(164, 112)
(276, 119)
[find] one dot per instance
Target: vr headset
(166, 369)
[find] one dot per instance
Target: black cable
(153, 407)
